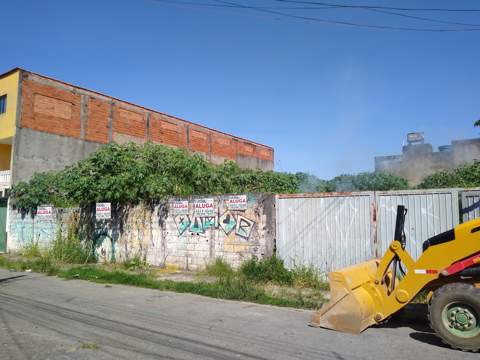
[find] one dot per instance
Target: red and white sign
(204, 207)
(237, 202)
(425, 271)
(103, 211)
(45, 212)
(179, 207)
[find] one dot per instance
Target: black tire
(450, 295)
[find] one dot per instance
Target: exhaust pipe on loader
(368, 293)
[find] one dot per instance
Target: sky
(327, 97)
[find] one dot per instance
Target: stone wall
(171, 233)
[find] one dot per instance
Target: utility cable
(376, 6)
(339, 22)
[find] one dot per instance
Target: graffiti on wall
(244, 227)
(228, 223)
(25, 230)
(183, 223)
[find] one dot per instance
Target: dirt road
(49, 318)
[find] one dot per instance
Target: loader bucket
(351, 307)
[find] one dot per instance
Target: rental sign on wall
(179, 207)
(103, 211)
(204, 207)
(237, 202)
(45, 212)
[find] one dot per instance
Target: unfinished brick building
(47, 124)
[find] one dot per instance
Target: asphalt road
(49, 318)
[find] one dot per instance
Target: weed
(308, 277)
(70, 249)
(31, 250)
(91, 346)
(266, 270)
(42, 264)
(230, 287)
(219, 269)
(243, 285)
(136, 263)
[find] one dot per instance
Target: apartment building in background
(418, 158)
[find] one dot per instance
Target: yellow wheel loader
(448, 270)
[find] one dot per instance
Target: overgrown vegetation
(219, 268)
(281, 287)
(41, 264)
(229, 287)
(463, 176)
(90, 346)
(133, 173)
(267, 270)
(68, 248)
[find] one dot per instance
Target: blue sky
(328, 98)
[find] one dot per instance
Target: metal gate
(430, 212)
(326, 231)
(470, 205)
(3, 225)
(331, 231)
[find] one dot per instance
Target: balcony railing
(5, 178)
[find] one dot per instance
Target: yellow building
(9, 92)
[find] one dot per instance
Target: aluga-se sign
(237, 202)
(204, 207)
(103, 211)
(45, 212)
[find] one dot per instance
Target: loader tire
(454, 314)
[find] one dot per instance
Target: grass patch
(308, 277)
(134, 264)
(70, 249)
(219, 269)
(228, 287)
(31, 250)
(267, 270)
(90, 346)
(43, 264)
(268, 287)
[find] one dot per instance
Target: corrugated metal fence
(324, 231)
(331, 231)
(470, 204)
(430, 212)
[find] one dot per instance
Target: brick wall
(54, 107)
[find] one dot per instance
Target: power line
(339, 22)
(324, 7)
(376, 6)
(202, 4)
(421, 18)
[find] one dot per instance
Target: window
(3, 104)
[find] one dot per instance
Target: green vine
(134, 173)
